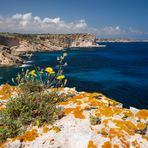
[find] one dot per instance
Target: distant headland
(13, 45)
(123, 40)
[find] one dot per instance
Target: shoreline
(12, 46)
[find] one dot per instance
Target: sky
(104, 18)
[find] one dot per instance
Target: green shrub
(29, 108)
(34, 104)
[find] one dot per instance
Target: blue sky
(105, 18)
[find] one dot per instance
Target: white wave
(28, 61)
(25, 65)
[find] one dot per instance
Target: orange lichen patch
(63, 103)
(126, 126)
(128, 113)
(105, 111)
(103, 132)
(78, 102)
(6, 91)
(116, 146)
(117, 110)
(141, 126)
(142, 114)
(115, 132)
(56, 129)
(78, 113)
(107, 145)
(108, 111)
(45, 129)
(77, 97)
(112, 102)
(28, 136)
(145, 137)
(1, 109)
(125, 143)
(91, 99)
(136, 144)
(91, 144)
(97, 114)
(3, 144)
(130, 125)
(105, 122)
(68, 110)
(94, 103)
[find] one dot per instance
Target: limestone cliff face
(70, 40)
(18, 44)
(9, 40)
(8, 59)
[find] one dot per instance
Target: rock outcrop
(6, 58)
(91, 120)
(18, 44)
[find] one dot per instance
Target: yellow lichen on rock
(56, 129)
(1, 109)
(128, 113)
(91, 144)
(46, 129)
(6, 91)
(107, 145)
(78, 113)
(126, 126)
(142, 114)
(141, 126)
(28, 136)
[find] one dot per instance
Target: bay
(119, 71)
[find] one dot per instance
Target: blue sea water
(120, 71)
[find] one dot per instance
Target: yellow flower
(33, 73)
(38, 123)
(49, 70)
(60, 77)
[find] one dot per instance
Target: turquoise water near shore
(120, 71)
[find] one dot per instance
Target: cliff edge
(90, 120)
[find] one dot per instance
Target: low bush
(25, 109)
(34, 104)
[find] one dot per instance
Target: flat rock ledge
(115, 127)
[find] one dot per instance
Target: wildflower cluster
(43, 78)
(34, 104)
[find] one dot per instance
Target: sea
(119, 71)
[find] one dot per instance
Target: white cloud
(27, 23)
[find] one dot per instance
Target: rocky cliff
(8, 59)
(18, 44)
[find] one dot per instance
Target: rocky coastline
(12, 46)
